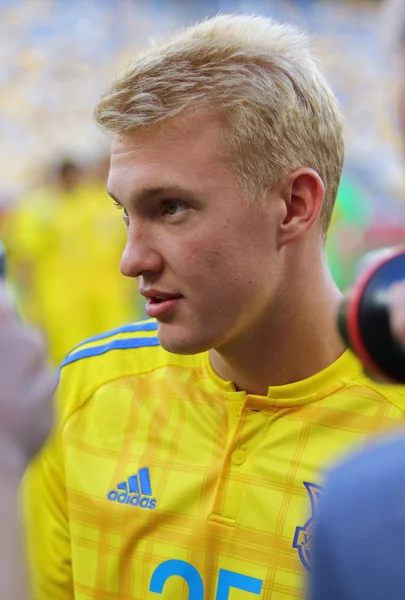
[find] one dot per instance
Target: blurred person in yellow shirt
(64, 248)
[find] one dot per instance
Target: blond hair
(259, 75)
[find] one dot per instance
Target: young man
(189, 446)
(26, 388)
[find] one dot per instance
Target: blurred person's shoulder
(359, 531)
(126, 352)
(363, 493)
(375, 468)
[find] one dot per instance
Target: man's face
(205, 258)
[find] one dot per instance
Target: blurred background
(62, 236)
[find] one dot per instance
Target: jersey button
(238, 457)
(236, 409)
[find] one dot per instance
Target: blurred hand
(26, 389)
(396, 302)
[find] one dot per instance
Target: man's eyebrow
(153, 192)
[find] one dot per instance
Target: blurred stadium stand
(58, 55)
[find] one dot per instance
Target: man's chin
(178, 342)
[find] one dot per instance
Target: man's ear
(302, 192)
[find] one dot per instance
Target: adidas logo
(136, 491)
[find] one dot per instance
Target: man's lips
(157, 295)
(159, 303)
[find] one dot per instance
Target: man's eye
(172, 207)
(125, 216)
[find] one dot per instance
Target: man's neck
(297, 340)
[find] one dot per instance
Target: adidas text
(132, 499)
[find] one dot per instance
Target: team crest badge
(303, 535)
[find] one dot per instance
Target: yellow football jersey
(162, 481)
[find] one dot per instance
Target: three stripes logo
(136, 491)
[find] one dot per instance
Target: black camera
(363, 319)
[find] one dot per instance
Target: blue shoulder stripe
(113, 345)
(130, 328)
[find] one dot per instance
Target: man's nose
(139, 255)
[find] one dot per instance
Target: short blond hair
(260, 77)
